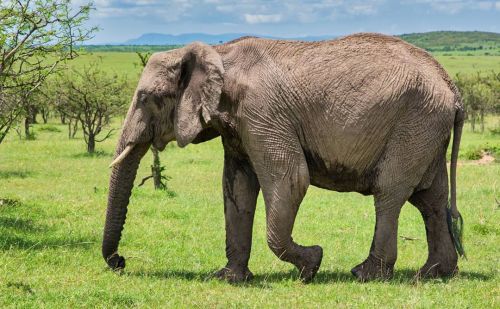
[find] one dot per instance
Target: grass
(52, 209)
(468, 64)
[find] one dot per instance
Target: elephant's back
(372, 91)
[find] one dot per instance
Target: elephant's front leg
(284, 186)
(241, 189)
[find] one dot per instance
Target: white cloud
(250, 11)
(485, 5)
(362, 9)
(169, 11)
(456, 6)
(141, 2)
(262, 18)
(102, 3)
(225, 8)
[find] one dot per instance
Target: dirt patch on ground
(486, 159)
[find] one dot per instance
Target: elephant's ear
(200, 84)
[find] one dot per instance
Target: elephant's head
(177, 93)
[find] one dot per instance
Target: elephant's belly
(341, 182)
(337, 177)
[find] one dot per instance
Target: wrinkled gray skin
(366, 113)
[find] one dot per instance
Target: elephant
(365, 113)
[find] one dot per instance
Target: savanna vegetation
(52, 209)
(487, 43)
(35, 37)
(53, 200)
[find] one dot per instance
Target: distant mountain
(182, 39)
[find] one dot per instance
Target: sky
(120, 20)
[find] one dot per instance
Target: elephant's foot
(437, 270)
(310, 262)
(234, 274)
(373, 268)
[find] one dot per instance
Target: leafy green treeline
(128, 48)
(481, 95)
(443, 41)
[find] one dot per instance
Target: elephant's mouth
(159, 147)
(157, 143)
(161, 142)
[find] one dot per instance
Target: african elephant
(366, 113)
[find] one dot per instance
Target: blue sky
(120, 20)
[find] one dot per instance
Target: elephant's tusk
(122, 155)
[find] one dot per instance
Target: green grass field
(53, 201)
(468, 64)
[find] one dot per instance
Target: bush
(495, 131)
(49, 128)
(493, 150)
(472, 153)
(477, 152)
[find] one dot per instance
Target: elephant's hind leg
(442, 259)
(383, 251)
(397, 177)
(241, 189)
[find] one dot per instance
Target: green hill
(454, 40)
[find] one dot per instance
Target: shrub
(472, 153)
(49, 128)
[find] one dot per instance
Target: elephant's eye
(143, 98)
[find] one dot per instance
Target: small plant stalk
(156, 170)
(159, 180)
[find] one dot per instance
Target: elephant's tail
(455, 221)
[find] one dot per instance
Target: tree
(480, 93)
(92, 97)
(35, 36)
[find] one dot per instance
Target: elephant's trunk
(120, 188)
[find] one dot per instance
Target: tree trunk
(4, 134)
(63, 118)
(45, 115)
(72, 128)
(33, 113)
(156, 170)
(27, 124)
(473, 121)
(482, 120)
(91, 143)
(75, 129)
